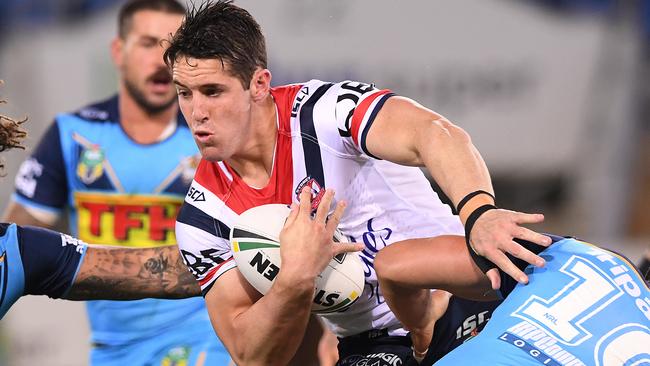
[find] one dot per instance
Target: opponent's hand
(306, 244)
(492, 237)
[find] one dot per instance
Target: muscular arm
(112, 273)
(259, 330)
(407, 270)
(267, 330)
(420, 137)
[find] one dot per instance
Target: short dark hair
(222, 31)
(133, 6)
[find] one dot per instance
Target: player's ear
(260, 84)
(117, 54)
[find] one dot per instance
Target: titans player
(587, 306)
(35, 261)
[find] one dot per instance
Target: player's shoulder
(340, 96)
(208, 193)
(213, 176)
(294, 94)
(97, 112)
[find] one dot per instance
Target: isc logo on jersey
(254, 240)
(126, 220)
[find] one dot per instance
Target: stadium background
(553, 92)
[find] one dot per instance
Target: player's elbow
(388, 270)
(443, 132)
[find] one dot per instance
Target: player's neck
(141, 126)
(255, 164)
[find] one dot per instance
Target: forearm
(271, 330)
(112, 273)
(453, 161)
(267, 330)
(442, 263)
(410, 304)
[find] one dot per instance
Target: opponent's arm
(18, 214)
(112, 273)
(267, 330)
(420, 137)
(407, 270)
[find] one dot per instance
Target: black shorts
(375, 348)
(462, 321)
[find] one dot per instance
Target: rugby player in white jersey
(300, 143)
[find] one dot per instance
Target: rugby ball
(255, 243)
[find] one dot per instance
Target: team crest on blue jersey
(177, 356)
(91, 164)
(317, 191)
(188, 168)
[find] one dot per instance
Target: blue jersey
(118, 192)
(587, 306)
(36, 261)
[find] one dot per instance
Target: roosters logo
(315, 188)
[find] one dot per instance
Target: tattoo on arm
(109, 273)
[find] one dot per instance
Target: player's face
(215, 105)
(139, 58)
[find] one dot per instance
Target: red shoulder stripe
(360, 112)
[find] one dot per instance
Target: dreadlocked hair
(11, 133)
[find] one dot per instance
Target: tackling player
(587, 306)
(296, 143)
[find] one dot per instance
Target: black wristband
(483, 263)
(469, 196)
(644, 267)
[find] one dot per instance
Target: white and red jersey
(321, 142)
